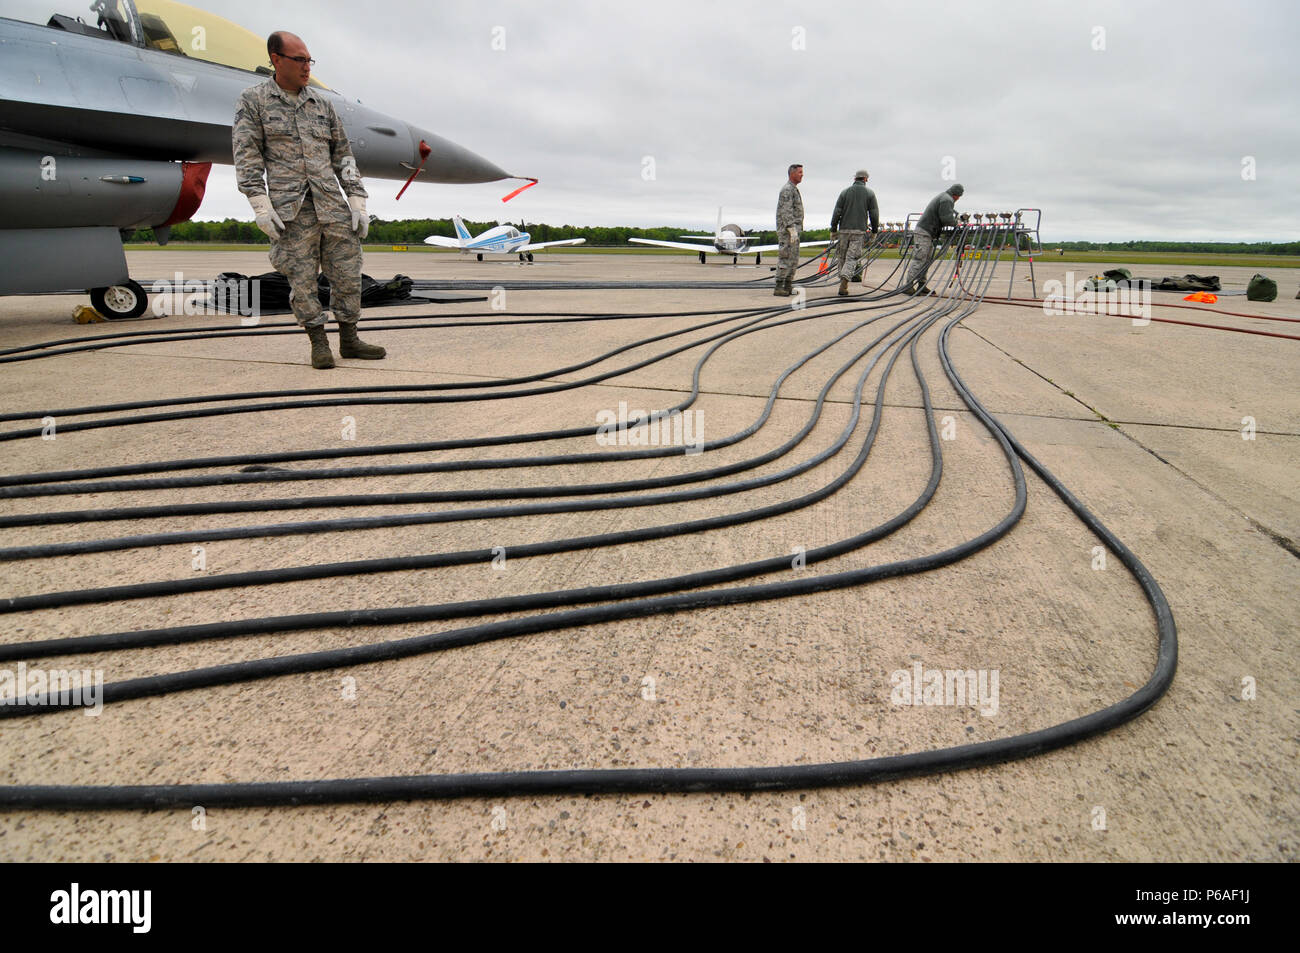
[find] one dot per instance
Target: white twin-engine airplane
(726, 240)
(501, 240)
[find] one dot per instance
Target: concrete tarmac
(1183, 440)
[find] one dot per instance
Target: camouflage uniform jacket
(789, 208)
(937, 214)
(854, 206)
(298, 145)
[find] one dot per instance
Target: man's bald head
(275, 42)
(290, 59)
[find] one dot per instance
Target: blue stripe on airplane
(493, 244)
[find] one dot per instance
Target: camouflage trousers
(849, 251)
(308, 246)
(922, 250)
(787, 255)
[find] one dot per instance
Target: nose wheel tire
(120, 301)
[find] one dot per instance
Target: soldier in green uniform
(938, 214)
(291, 156)
(855, 205)
(789, 226)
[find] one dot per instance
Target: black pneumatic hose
(388, 564)
(689, 779)
(59, 483)
(25, 650)
(35, 551)
(259, 459)
(663, 779)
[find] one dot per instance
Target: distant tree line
(414, 231)
(1215, 248)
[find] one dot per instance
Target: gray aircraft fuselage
(117, 120)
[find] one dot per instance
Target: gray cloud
(1142, 139)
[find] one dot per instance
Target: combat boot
(922, 292)
(782, 288)
(352, 346)
(321, 358)
(844, 287)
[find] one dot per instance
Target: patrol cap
(861, 174)
(956, 189)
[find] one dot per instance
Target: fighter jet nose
(388, 148)
(450, 163)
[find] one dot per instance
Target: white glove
(794, 233)
(267, 220)
(360, 219)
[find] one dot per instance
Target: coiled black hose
(671, 779)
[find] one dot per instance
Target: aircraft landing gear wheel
(120, 301)
(735, 259)
(480, 257)
(758, 259)
(701, 258)
(530, 257)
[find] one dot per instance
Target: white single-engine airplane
(726, 240)
(501, 240)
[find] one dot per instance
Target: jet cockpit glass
(172, 27)
(119, 19)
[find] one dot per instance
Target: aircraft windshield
(173, 27)
(178, 27)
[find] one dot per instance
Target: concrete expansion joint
(1276, 537)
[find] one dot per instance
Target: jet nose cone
(389, 148)
(449, 162)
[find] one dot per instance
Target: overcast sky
(1121, 120)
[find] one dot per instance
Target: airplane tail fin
(461, 231)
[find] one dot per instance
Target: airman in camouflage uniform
(789, 226)
(937, 215)
(856, 205)
(291, 155)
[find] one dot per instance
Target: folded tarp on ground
(1185, 283)
(232, 292)
(1121, 278)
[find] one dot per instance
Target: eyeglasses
(305, 61)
